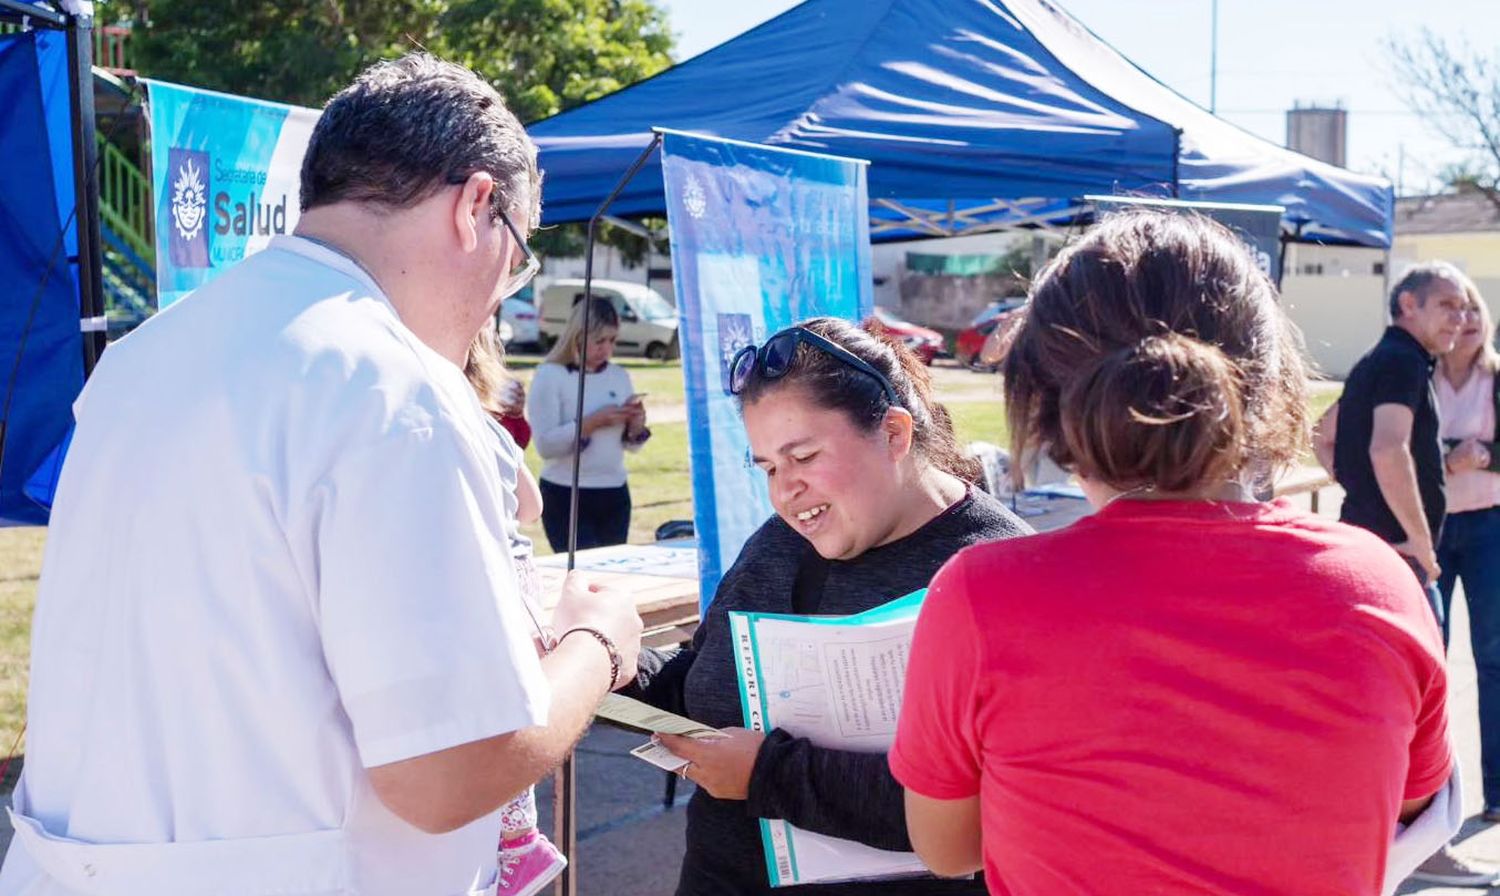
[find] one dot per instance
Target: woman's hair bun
(1165, 411)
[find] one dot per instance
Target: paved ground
(629, 845)
(1477, 840)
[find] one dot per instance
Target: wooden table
(661, 578)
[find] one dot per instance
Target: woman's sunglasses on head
(773, 359)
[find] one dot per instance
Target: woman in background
(614, 421)
(1469, 547)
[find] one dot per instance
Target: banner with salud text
(761, 238)
(225, 172)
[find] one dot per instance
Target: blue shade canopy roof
(974, 114)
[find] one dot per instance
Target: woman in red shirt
(1189, 691)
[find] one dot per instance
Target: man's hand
(586, 604)
(720, 765)
(1471, 454)
(1423, 553)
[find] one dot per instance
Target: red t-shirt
(1179, 697)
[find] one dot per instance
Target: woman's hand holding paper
(720, 765)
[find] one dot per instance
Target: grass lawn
(659, 482)
(20, 565)
(662, 380)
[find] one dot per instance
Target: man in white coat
(279, 645)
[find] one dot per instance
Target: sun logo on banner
(189, 200)
(693, 198)
(734, 334)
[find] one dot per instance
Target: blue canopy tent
(49, 262)
(975, 114)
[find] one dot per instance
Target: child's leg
(528, 861)
(518, 821)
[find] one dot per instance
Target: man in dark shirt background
(1387, 455)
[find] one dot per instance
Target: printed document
(836, 680)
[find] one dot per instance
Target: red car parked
(926, 344)
(972, 338)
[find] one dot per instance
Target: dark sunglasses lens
(739, 369)
(778, 355)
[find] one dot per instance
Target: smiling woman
(872, 496)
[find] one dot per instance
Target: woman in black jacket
(872, 495)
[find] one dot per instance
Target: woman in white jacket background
(614, 420)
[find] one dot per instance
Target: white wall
(1335, 295)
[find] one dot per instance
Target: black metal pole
(80, 36)
(564, 817)
(588, 299)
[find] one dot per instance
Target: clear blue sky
(1271, 53)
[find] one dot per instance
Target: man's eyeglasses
(774, 359)
(524, 270)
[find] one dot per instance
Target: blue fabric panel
(42, 486)
(51, 371)
(52, 74)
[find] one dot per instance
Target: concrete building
(1319, 131)
(947, 302)
(1463, 228)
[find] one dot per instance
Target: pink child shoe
(528, 871)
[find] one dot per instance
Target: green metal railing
(125, 199)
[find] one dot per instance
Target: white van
(648, 322)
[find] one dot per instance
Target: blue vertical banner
(761, 238)
(225, 171)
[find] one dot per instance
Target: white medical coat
(276, 558)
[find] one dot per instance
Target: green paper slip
(638, 716)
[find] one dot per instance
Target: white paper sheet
(836, 681)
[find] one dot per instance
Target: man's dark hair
(1418, 279)
(408, 127)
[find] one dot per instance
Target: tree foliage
(1456, 90)
(543, 55)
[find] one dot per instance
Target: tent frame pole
(564, 796)
(80, 38)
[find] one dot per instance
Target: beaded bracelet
(615, 662)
